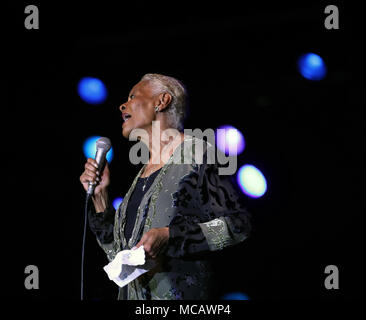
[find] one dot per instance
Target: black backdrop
(239, 70)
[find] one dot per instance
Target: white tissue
(123, 270)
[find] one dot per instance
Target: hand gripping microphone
(103, 146)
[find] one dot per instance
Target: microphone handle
(99, 158)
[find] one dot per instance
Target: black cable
(83, 247)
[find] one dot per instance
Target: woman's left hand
(153, 241)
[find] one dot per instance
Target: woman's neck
(162, 149)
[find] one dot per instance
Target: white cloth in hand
(123, 270)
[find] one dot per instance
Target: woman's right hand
(91, 174)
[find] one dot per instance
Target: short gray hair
(176, 111)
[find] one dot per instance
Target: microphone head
(104, 143)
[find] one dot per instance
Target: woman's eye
(132, 96)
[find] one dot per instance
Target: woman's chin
(126, 132)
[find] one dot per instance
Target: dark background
(240, 70)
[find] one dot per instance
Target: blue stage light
(311, 66)
(230, 140)
(116, 202)
(90, 148)
(235, 296)
(251, 181)
(92, 90)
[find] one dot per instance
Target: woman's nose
(122, 107)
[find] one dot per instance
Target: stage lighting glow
(251, 181)
(90, 148)
(311, 66)
(116, 202)
(230, 140)
(92, 90)
(235, 296)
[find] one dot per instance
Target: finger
(83, 179)
(141, 242)
(92, 176)
(91, 172)
(147, 254)
(148, 257)
(147, 247)
(92, 162)
(148, 250)
(137, 245)
(86, 176)
(154, 252)
(89, 177)
(90, 167)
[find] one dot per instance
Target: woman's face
(139, 108)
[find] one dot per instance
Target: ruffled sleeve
(101, 223)
(210, 214)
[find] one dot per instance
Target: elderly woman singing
(183, 213)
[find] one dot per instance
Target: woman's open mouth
(125, 117)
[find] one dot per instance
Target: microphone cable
(83, 247)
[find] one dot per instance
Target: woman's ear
(165, 100)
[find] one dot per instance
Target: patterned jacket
(204, 213)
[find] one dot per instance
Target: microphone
(103, 146)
